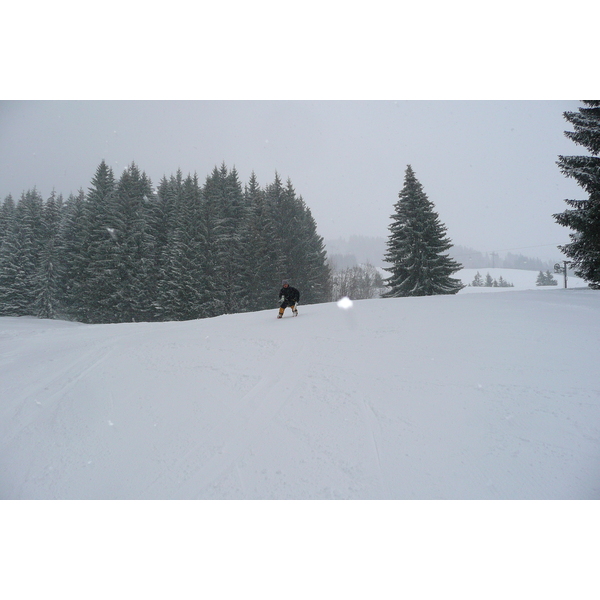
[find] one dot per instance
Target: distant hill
(356, 250)
(470, 258)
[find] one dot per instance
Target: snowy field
(520, 279)
(456, 397)
(466, 397)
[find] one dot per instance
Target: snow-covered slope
(471, 396)
(519, 278)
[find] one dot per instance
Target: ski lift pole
(563, 269)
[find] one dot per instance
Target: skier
(288, 296)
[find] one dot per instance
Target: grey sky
(488, 166)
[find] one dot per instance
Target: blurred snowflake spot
(345, 303)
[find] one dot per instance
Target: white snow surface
(471, 396)
(520, 279)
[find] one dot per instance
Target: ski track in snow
(234, 435)
(372, 425)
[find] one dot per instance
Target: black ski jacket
(290, 294)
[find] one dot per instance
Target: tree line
(488, 281)
(125, 252)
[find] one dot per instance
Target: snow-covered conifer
(584, 215)
(263, 261)
(133, 293)
(47, 280)
(20, 256)
(73, 255)
(417, 247)
(301, 248)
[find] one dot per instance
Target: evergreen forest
(128, 252)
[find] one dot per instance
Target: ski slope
(472, 396)
(519, 278)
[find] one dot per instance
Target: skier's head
(285, 283)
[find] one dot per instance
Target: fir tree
(47, 300)
(263, 261)
(545, 279)
(20, 257)
(315, 270)
(302, 253)
(166, 217)
(183, 293)
(216, 236)
(133, 294)
(417, 246)
(541, 279)
(8, 249)
(162, 223)
(74, 255)
(584, 215)
(99, 283)
(231, 243)
(550, 278)
(7, 217)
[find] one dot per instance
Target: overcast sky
(488, 166)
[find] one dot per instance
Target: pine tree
(74, 257)
(216, 226)
(134, 293)
(283, 223)
(47, 298)
(166, 217)
(8, 228)
(416, 247)
(550, 278)
(541, 279)
(477, 280)
(98, 284)
(545, 279)
(183, 293)
(232, 246)
(20, 257)
(584, 215)
(301, 250)
(7, 217)
(263, 262)
(316, 273)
